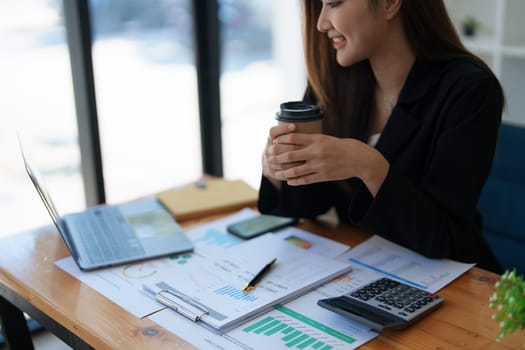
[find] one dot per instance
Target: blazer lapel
(402, 123)
(397, 132)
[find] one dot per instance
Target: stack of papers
(210, 288)
(299, 323)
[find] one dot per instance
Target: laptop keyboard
(106, 235)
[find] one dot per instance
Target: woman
(410, 128)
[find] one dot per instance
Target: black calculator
(384, 304)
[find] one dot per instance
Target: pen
(250, 285)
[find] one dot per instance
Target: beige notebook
(208, 197)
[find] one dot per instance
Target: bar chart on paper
(286, 327)
(234, 293)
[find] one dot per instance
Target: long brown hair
(345, 92)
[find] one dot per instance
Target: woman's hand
(318, 157)
(272, 149)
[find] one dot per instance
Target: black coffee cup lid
(298, 111)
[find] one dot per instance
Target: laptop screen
(37, 181)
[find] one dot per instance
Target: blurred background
(145, 72)
(145, 77)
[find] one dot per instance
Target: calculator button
(394, 298)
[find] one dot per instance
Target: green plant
(470, 25)
(509, 302)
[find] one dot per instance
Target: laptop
(110, 235)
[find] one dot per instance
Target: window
(146, 92)
(262, 66)
(37, 100)
(146, 95)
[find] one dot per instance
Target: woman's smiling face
(356, 29)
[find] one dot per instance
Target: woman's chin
(346, 60)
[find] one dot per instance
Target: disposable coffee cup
(307, 118)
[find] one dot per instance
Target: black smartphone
(258, 225)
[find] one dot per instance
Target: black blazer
(440, 142)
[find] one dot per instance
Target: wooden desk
(84, 319)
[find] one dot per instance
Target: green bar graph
(293, 330)
(313, 323)
(267, 326)
(297, 340)
(276, 329)
(291, 335)
(307, 343)
(288, 330)
(318, 345)
(258, 324)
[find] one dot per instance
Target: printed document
(214, 283)
(299, 324)
(123, 284)
(405, 265)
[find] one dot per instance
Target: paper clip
(166, 300)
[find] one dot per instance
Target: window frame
(80, 42)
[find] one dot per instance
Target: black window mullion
(208, 73)
(78, 28)
(207, 43)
